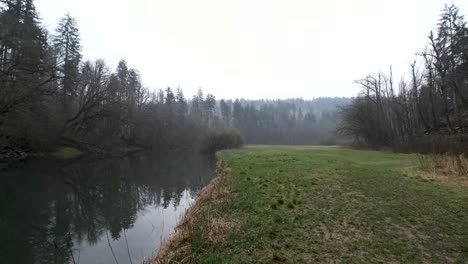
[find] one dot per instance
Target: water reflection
(106, 211)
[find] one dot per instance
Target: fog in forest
(200, 78)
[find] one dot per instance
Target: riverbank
(200, 220)
(213, 140)
(322, 204)
(8, 154)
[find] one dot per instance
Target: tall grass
(447, 164)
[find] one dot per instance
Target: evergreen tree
(23, 42)
(197, 105)
(225, 112)
(122, 75)
(181, 103)
(24, 69)
(170, 97)
(68, 50)
(134, 89)
(209, 105)
(237, 114)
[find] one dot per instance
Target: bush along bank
(221, 138)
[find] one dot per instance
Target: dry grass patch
(342, 236)
(451, 169)
(456, 165)
(420, 240)
(219, 228)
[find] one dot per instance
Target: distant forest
(290, 121)
(50, 96)
(425, 112)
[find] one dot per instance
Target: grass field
(323, 204)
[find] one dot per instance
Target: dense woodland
(51, 96)
(426, 111)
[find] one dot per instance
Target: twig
(110, 246)
(79, 255)
(128, 249)
(71, 247)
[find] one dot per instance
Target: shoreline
(67, 153)
(197, 218)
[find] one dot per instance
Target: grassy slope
(322, 204)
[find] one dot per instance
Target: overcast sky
(253, 48)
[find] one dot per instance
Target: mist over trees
(50, 96)
(427, 112)
(290, 121)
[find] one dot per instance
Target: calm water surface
(105, 211)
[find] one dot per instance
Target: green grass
(331, 204)
(67, 153)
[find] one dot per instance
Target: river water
(103, 211)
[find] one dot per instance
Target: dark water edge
(96, 211)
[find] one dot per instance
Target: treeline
(50, 96)
(427, 112)
(290, 121)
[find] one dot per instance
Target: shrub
(218, 139)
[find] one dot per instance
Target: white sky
(253, 48)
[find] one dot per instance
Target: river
(115, 210)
